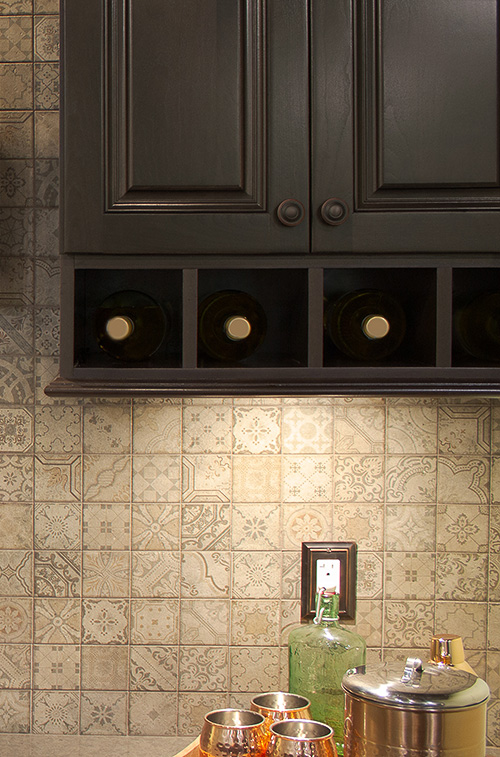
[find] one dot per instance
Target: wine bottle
(366, 324)
(477, 326)
(232, 325)
(130, 325)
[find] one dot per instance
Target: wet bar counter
(34, 745)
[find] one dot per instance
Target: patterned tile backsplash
(150, 550)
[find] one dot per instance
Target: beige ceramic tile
(290, 618)
(205, 574)
(56, 666)
(206, 478)
(495, 479)
(107, 429)
(16, 38)
(256, 479)
(291, 575)
(359, 429)
(462, 528)
(362, 523)
(256, 430)
(254, 669)
(156, 478)
(410, 527)
(207, 429)
(55, 712)
(154, 668)
(409, 575)
(255, 622)
(106, 574)
(16, 478)
(193, 708)
(16, 526)
(58, 478)
(466, 619)
(57, 526)
(104, 713)
(203, 669)
(368, 621)
(15, 7)
(155, 574)
(156, 429)
(205, 526)
(204, 621)
(464, 430)
(255, 527)
(311, 522)
(46, 38)
(16, 566)
(412, 429)
(15, 714)
(57, 621)
(307, 430)
(411, 478)
(494, 626)
(370, 572)
(155, 526)
(359, 478)
(307, 478)
(256, 575)
(16, 87)
(461, 576)
(105, 621)
(494, 578)
(46, 134)
(15, 666)
(152, 713)
(463, 479)
(106, 527)
(154, 621)
(105, 667)
(57, 573)
(106, 478)
(15, 620)
(408, 622)
(16, 132)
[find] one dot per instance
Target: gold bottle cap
(447, 648)
(237, 328)
(119, 327)
(375, 326)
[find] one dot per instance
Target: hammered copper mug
(281, 705)
(233, 733)
(301, 738)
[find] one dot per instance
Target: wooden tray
(191, 750)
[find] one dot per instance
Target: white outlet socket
(328, 574)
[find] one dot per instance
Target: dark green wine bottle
(366, 324)
(477, 327)
(130, 325)
(231, 326)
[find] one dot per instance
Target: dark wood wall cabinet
(295, 150)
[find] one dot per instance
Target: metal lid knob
(447, 648)
(237, 328)
(119, 327)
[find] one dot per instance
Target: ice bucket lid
(417, 685)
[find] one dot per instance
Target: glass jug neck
(327, 607)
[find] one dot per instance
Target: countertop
(34, 745)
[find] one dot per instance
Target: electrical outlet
(328, 574)
(331, 565)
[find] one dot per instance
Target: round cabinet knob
(291, 212)
(334, 211)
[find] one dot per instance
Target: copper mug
(281, 705)
(301, 738)
(233, 733)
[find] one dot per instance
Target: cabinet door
(405, 125)
(185, 126)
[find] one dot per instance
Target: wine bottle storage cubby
(94, 287)
(414, 290)
(294, 353)
(282, 294)
(476, 298)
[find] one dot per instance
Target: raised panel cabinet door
(405, 126)
(185, 126)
